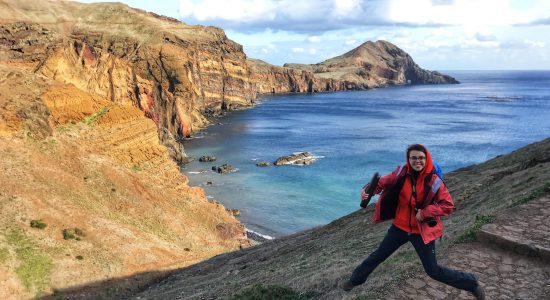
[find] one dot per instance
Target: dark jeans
(394, 239)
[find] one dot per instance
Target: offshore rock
(223, 169)
(302, 158)
(207, 158)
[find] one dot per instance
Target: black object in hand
(430, 221)
(370, 189)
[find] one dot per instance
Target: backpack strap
(432, 187)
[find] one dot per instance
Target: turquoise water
(355, 134)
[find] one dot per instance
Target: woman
(415, 198)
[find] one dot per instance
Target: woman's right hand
(364, 195)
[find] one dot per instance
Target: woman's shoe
(479, 293)
(347, 286)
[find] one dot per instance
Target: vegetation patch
(269, 292)
(34, 268)
(470, 234)
(96, 116)
(4, 254)
(534, 195)
(73, 234)
(38, 224)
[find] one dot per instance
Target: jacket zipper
(413, 184)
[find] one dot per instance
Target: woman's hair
(416, 147)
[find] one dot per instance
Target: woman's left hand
(419, 216)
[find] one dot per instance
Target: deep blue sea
(357, 133)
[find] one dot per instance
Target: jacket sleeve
(384, 182)
(443, 205)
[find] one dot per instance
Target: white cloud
(298, 50)
(314, 39)
(229, 10)
(537, 44)
(312, 51)
(351, 42)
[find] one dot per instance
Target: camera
(430, 221)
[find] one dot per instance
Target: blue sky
(438, 34)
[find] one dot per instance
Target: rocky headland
(374, 64)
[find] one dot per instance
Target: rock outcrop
(301, 158)
(375, 64)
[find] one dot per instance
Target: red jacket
(400, 204)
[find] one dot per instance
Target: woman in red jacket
(415, 198)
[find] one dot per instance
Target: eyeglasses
(414, 158)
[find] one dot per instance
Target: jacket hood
(429, 164)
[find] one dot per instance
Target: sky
(438, 34)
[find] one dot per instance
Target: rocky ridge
(375, 64)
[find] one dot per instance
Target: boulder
(263, 164)
(207, 158)
(302, 158)
(225, 168)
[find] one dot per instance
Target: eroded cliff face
(77, 160)
(178, 75)
(266, 78)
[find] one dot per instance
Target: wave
(197, 172)
(258, 236)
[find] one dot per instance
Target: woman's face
(417, 160)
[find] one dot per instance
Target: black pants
(394, 239)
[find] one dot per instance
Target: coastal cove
(355, 134)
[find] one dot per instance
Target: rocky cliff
(375, 64)
(175, 73)
(266, 78)
(111, 200)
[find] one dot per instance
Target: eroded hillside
(94, 169)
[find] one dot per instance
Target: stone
(301, 158)
(207, 158)
(225, 168)
(263, 164)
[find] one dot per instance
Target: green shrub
(38, 224)
(96, 116)
(470, 234)
(79, 257)
(269, 292)
(73, 234)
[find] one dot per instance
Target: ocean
(355, 134)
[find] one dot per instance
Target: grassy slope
(316, 261)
